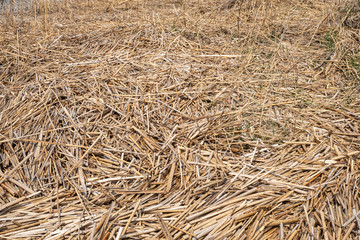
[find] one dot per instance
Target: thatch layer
(180, 120)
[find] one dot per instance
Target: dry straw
(186, 119)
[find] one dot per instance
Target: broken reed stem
(131, 217)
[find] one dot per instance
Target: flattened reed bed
(180, 120)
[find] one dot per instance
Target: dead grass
(180, 120)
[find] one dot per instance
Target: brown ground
(188, 119)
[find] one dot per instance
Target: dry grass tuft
(180, 120)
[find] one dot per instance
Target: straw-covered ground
(187, 119)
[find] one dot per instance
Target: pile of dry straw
(190, 119)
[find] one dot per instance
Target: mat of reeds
(188, 119)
